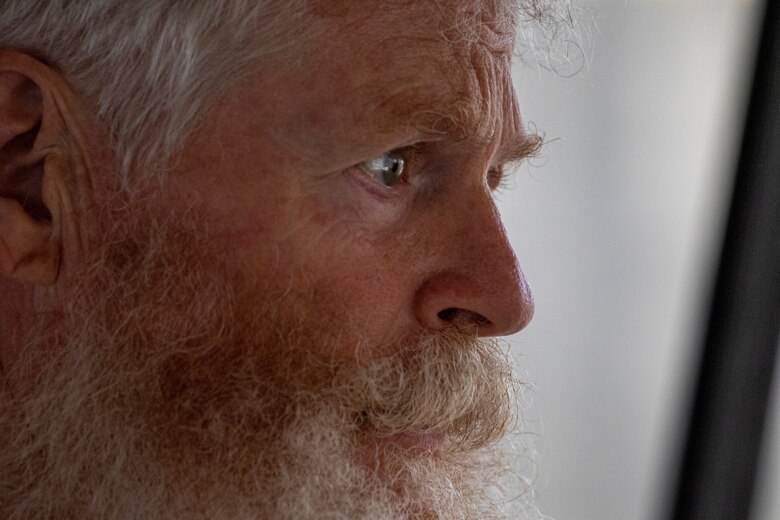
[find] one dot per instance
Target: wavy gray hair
(150, 67)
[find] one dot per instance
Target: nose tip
(492, 309)
(477, 281)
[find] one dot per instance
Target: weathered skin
(273, 167)
(309, 254)
(276, 167)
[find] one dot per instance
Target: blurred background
(618, 227)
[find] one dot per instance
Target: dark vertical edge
(719, 462)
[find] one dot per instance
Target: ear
(34, 169)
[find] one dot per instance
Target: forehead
(391, 68)
(489, 21)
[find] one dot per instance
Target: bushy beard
(167, 389)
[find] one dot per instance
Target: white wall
(617, 232)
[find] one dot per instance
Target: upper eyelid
(409, 153)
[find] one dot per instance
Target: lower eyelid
(375, 189)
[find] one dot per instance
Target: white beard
(168, 394)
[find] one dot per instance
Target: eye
(388, 169)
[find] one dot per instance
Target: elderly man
(250, 261)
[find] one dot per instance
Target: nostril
(455, 316)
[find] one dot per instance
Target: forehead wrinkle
(490, 23)
(470, 115)
(462, 116)
(476, 111)
(462, 106)
(460, 93)
(410, 99)
(517, 143)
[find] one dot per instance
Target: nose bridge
(487, 254)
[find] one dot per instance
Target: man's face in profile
(296, 321)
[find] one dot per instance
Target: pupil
(392, 173)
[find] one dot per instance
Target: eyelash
(505, 177)
(496, 180)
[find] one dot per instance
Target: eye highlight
(389, 169)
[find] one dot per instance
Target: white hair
(151, 67)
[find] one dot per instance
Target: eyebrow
(520, 148)
(461, 120)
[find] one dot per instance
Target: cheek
(360, 207)
(359, 288)
(333, 249)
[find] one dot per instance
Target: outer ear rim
(31, 249)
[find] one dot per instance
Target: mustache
(450, 382)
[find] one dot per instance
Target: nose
(478, 282)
